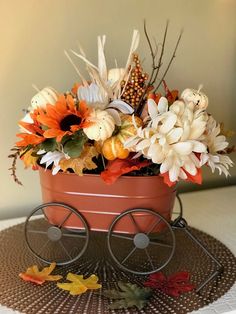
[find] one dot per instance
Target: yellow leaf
(75, 288)
(29, 160)
(83, 162)
(226, 133)
(33, 274)
(78, 284)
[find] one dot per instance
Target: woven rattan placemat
(29, 298)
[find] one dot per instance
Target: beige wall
(35, 33)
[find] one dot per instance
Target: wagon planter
(135, 210)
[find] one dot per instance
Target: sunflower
(64, 118)
(33, 134)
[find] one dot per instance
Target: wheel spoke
(161, 244)
(134, 223)
(73, 235)
(43, 247)
(130, 253)
(62, 223)
(153, 226)
(65, 250)
(37, 231)
(149, 258)
(121, 237)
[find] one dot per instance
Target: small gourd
(113, 147)
(102, 125)
(196, 97)
(46, 96)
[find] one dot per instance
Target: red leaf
(117, 167)
(197, 178)
(170, 95)
(167, 179)
(173, 285)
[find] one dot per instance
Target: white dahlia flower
(215, 143)
(171, 138)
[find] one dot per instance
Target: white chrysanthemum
(170, 139)
(52, 158)
(215, 143)
(192, 120)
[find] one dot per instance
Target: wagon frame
(142, 227)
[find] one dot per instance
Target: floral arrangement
(118, 122)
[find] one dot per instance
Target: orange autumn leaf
(75, 87)
(33, 274)
(170, 95)
(155, 97)
(84, 161)
(118, 167)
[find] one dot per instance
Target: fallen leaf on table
(173, 285)
(78, 284)
(33, 274)
(129, 295)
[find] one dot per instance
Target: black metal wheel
(56, 242)
(146, 251)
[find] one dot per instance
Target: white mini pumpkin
(102, 125)
(193, 96)
(114, 75)
(46, 96)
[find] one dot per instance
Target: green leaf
(49, 145)
(129, 295)
(127, 303)
(65, 139)
(74, 145)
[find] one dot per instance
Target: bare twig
(15, 156)
(139, 108)
(149, 44)
(155, 67)
(162, 53)
(170, 62)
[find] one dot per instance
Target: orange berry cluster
(135, 86)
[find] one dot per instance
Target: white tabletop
(212, 211)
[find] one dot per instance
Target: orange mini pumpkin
(113, 147)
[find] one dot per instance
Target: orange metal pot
(100, 203)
